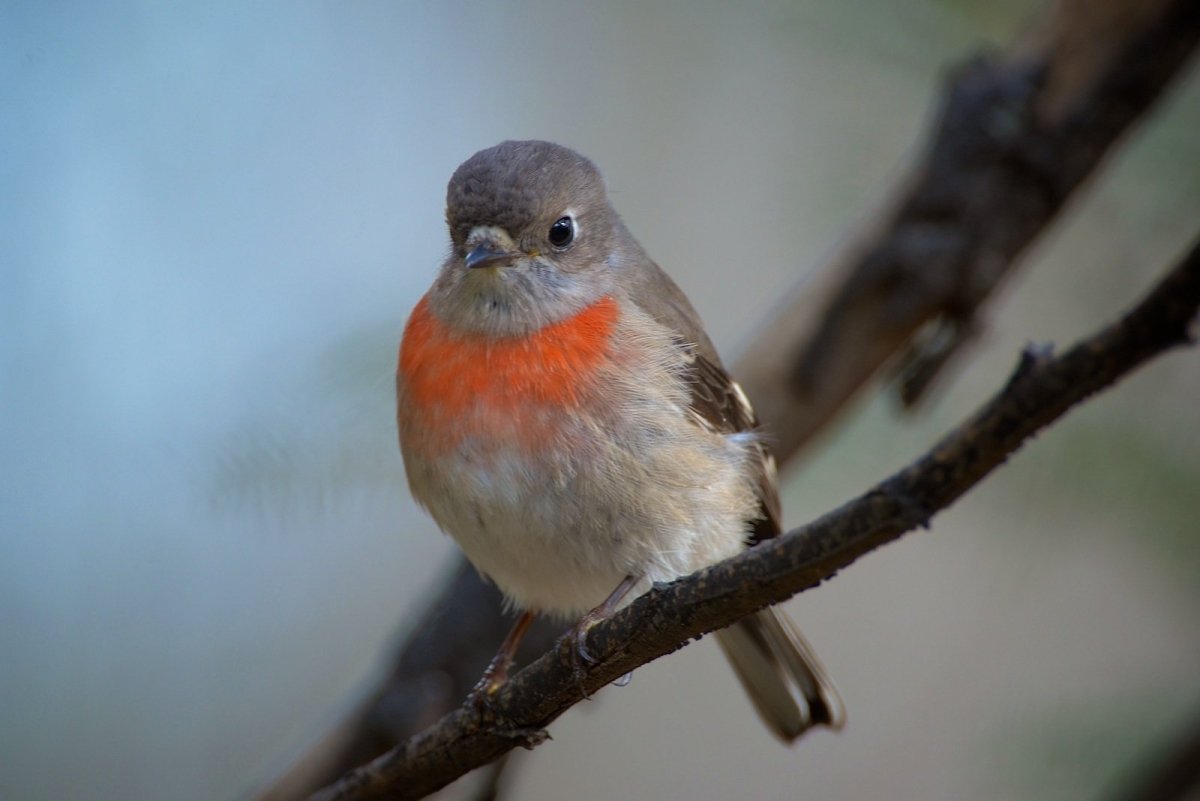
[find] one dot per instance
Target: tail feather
(781, 674)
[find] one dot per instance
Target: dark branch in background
(1041, 389)
(434, 668)
(1173, 776)
(1015, 135)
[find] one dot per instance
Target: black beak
(488, 255)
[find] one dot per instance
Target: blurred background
(213, 221)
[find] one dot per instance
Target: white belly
(557, 533)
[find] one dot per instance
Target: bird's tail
(782, 674)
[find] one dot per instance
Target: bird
(565, 418)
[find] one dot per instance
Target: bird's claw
(492, 720)
(581, 657)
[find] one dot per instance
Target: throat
(469, 379)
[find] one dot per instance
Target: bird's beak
(488, 254)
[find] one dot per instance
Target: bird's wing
(719, 404)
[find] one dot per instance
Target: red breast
(460, 384)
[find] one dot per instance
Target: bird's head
(533, 239)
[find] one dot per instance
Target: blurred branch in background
(1171, 776)
(1016, 134)
(660, 622)
(435, 662)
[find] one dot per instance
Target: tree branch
(1041, 389)
(1016, 135)
(433, 669)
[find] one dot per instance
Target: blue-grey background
(214, 218)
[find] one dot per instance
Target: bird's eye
(562, 232)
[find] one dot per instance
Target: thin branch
(433, 669)
(1041, 389)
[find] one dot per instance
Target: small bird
(565, 418)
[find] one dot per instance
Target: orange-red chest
(462, 384)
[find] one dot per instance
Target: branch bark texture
(1042, 388)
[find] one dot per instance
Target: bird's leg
(496, 673)
(580, 657)
(493, 678)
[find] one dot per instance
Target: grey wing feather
(777, 667)
(717, 401)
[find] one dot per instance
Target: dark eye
(562, 232)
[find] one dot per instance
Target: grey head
(533, 239)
